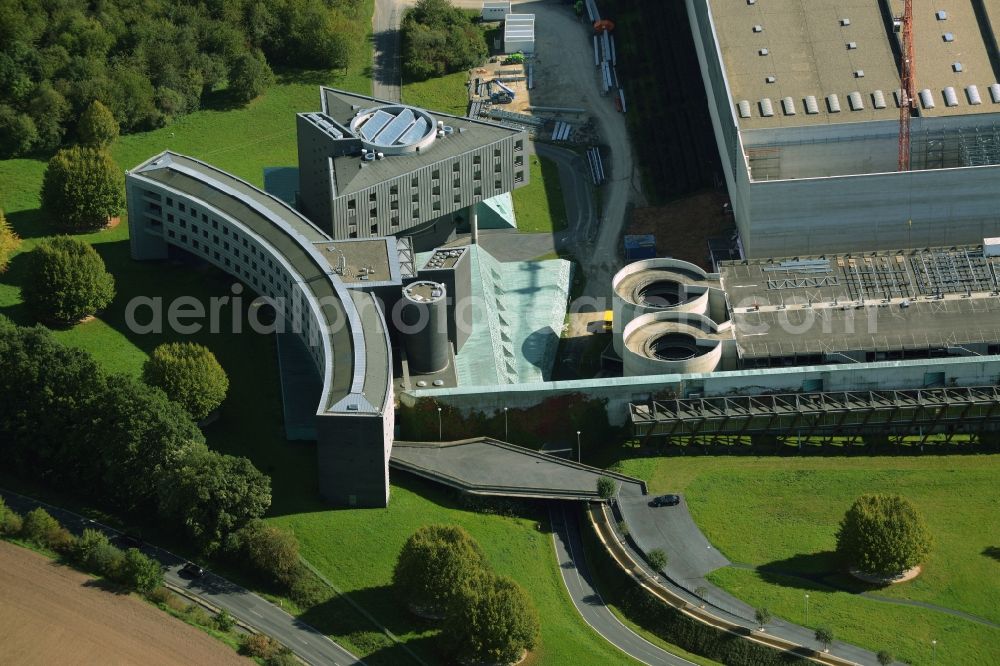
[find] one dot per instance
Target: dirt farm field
(51, 614)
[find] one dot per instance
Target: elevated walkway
(485, 466)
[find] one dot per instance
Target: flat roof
(354, 174)
(886, 301)
(799, 49)
(360, 349)
(363, 262)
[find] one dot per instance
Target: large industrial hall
(805, 101)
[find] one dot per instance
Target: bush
(260, 646)
(824, 635)
(190, 375)
(10, 520)
(606, 487)
(94, 553)
(434, 566)
(762, 616)
(195, 614)
(306, 589)
(161, 596)
(657, 559)
(42, 529)
(139, 572)
(284, 658)
(82, 189)
(272, 551)
(9, 242)
(885, 658)
(491, 621)
(883, 535)
(66, 281)
(224, 621)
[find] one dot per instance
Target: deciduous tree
(189, 374)
(9, 242)
(82, 189)
(66, 281)
(97, 127)
(883, 535)
(492, 621)
(436, 562)
(249, 77)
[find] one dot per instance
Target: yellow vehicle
(608, 320)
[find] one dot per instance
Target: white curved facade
(666, 343)
(179, 201)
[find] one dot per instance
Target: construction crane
(907, 85)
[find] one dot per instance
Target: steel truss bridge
(830, 414)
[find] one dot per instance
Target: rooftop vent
(766, 108)
(845, 21)
(788, 104)
(854, 99)
(995, 93)
(851, 46)
(972, 92)
(833, 102)
(948, 37)
(811, 106)
(758, 28)
(956, 66)
(926, 98)
(941, 15)
(878, 98)
(859, 73)
(744, 109)
(950, 98)
(751, 2)
(769, 79)
(763, 52)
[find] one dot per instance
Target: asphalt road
(308, 643)
(576, 576)
(387, 75)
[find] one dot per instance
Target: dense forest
(439, 39)
(149, 61)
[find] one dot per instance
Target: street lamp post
(579, 451)
(934, 651)
(807, 608)
(506, 435)
(440, 432)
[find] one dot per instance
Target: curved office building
(179, 201)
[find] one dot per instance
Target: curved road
(569, 553)
(308, 643)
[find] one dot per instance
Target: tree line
(439, 39)
(66, 423)
(150, 61)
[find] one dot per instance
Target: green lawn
(448, 93)
(787, 511)
(539, 206)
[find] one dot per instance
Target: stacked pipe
(596, 165)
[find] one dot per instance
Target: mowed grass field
(355, 550)
(449, 93)
(781, 514)
(539, 206)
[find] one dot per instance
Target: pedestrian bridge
(485, 466)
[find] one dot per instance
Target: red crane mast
(907, 77)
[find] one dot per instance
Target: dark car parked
(665, 500)
(192, 570)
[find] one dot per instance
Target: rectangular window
(478, 190)
(170, 233)
(194, 228)
(435, 174)
(373, 212)
(215, 223)
(225, 246)
(437, 205)
(458, 198)
(519, 145)
(518, 161)
(205, 233)
(228, 263)
(394, 189)
(413, 181)
(194, 212)
(455, 168)
(352, 204)
(497, 168)
(195, 244)
(181, 207)
(225, 231)
(216, 255)
(476, 159)
(170, 201)
(496, 152)
(375, 228)
(496, 184)
(215, 239)
(436, 191)
(184, 238)
(518, 176)
(170, 217)
(393, 205)
(395, 220)
(204, 218)
(457, 182)
(415, 198)
(371, 196)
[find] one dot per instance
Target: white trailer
(495, 10)
(519, 33)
